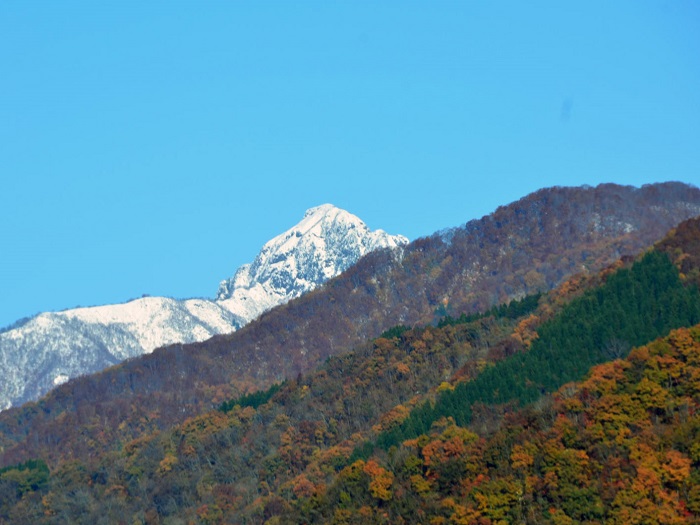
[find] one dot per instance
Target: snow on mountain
(53, 347)
(325, 243)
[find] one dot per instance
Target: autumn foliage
(529, 246)
(620, 447)
(549, 438)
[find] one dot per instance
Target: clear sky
(153, 147)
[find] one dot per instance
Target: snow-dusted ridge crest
(53, 347)
(325, 243)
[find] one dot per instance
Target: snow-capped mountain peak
(326, 242)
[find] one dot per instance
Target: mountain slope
(280, 457)
(619, 447)
(527, 246)
(55, 346)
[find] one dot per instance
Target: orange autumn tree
(380, 480)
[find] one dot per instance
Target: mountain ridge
(286, 455)
(527, 246)
(51, 347)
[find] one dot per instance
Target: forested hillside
(526, 247)
(633, 307)
(619, 447)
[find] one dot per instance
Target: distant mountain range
(528, 246)
(53, 347)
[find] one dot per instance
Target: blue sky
(153, 147)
